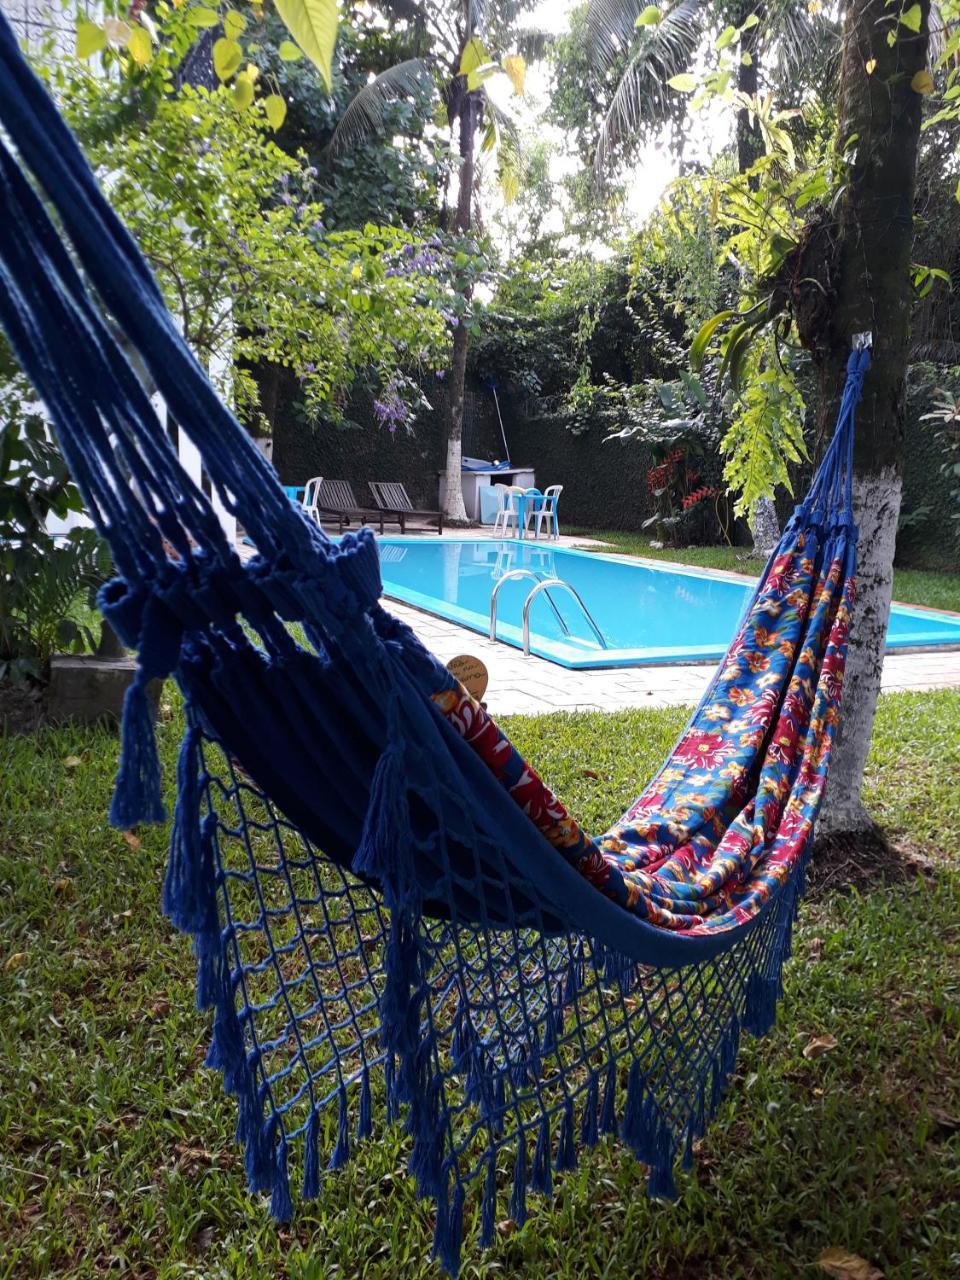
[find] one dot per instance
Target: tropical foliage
(232, 226)
(42, 578)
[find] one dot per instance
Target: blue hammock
(393, 919)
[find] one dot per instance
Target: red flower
(704, 749)
(647, 803)
(831, 674)
(762, 710)
(782, 574)
(797, 709)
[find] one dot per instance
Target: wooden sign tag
(471, 673)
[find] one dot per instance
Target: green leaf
(140, 47)
(289, 52)
(474, 55)
(227, 56)
(91, 38)
(242, 93)
(698, 348)
(203, 17)
(749, 22)
(911, 18)
(727, 37)
(234, 24)
(683, 83)
(313, 24)
(276, 110)
(650, 16)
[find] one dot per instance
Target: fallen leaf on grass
(14, 961)
(818, 1045)
(192, 1157)
(944, 1120)
(847, 1266)
(589, 773)
(506, 1228)
(71, 762)
(62, 885)
(160, 1008)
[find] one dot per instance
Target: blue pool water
(646, 612)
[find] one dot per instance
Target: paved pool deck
(531, 686)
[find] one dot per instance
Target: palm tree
(637, 49)
(457, 60)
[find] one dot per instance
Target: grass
(117, 1152)
(910, 586)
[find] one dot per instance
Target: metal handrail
(521, 573)
(545, 585)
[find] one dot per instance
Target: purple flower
(390, 409)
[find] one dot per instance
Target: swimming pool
(647, 612)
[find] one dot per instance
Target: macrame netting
(383, 932)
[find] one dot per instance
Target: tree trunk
(453, 508)
(749, 138)
(872, 292)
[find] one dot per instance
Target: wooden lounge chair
(392, 498)
(335, 500)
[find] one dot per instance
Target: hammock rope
(394, 919)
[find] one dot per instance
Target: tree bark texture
(453, 507)
(749, 138)
(871, 290)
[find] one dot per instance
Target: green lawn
(116, 1145)
(910, 586)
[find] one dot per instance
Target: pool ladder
(544, 585)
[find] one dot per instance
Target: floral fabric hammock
(394, 920)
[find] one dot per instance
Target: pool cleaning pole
(496, 401)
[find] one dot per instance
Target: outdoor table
(533, 496)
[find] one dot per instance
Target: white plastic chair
(545, 512)
(508, 512)
(311, 497)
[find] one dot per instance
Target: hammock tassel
(566, 1147)
(385, 845)
(541, 1178)
(448, 1233)
(365, 1117)
(189, 893)
(427, 1131)
(488, 1209)
(281, 1205)
(518, 1196)
(588, 1123)
(137, 794)
(211, 967)
(760, 1011)
(341, 1152)
(311, 1157)
(260, 1156)
(608, 1113)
